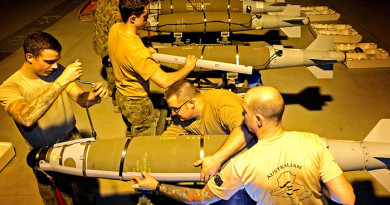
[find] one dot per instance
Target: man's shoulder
(10, 89)
(220, 94)
(303, 135)
(122, 39)
(53, 76)
(246, 156)
(15, 78)
(222, 99)
(114, 28)
(218, 91)
(114, 32)
(306, 139)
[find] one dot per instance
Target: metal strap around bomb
(228, 10)
(201, 152)
(365, 154)
(204, 17)
(237, 56)
(124, 151)
(204, 22)
(37, 154)
(62, 154)
(157, 23)
(171, 7)
(202, 52)
(85, 159)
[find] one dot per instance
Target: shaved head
(266, 101)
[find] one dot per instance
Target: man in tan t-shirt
(37, 98)
(133, 67)
(212, 112)
(282, 168)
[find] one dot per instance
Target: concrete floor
(350, 104)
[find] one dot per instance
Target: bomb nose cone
(35, 155)
(32, 160)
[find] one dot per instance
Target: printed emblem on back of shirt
(287, 187)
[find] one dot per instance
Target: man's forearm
(188, 195)
(236, 141)
(174, 130)
(28, 113)
(83, 100)
(339, 190)
(177, 75)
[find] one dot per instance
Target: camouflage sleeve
(106, 14)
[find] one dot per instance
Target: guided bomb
(180, 6)
(220, 21)
(319, 52)
(289, 21)
(171, 158)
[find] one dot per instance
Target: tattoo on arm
(28, 113)
(188, 195)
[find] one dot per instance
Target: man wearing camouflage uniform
(106, 14)
(134, 65)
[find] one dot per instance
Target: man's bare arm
(181, 194)
(87, 99)
(164, 79)
(339, 190)
(236, 141)
(28, 113)
(189, 195)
